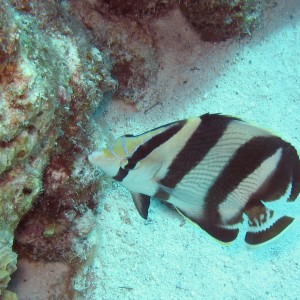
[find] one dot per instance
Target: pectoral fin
(141, 203)
(264, 225)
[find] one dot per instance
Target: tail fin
(263, 236)
(264, 225)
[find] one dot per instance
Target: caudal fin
(264, 225)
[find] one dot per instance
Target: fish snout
(106, 161)
(96, 157)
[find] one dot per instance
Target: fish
(215, 170)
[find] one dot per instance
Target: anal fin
(220, 233)
(142, 203)
(264, 225)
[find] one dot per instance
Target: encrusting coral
(134, 63)
(51, 80)
(143, 9)
(219, 20)
(125, 30)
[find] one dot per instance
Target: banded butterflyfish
(214, 169)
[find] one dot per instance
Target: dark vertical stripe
(295, 164)
(205, 137)
(145, 149)
(245, 161)
(276, 186)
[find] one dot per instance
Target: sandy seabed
(257, 79)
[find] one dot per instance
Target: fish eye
(123, 163)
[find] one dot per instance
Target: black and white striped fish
(213, 169)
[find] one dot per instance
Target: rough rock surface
(51, 80)
(219, 20)
(139, 10)
(130, 43)
(125, 28)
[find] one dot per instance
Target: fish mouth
(95, 157)
(101, 157)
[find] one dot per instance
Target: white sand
(258, 79)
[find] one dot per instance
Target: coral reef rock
(51, 80)
(143, 9)
(135, 64)
(219, 20)
(125, 29)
